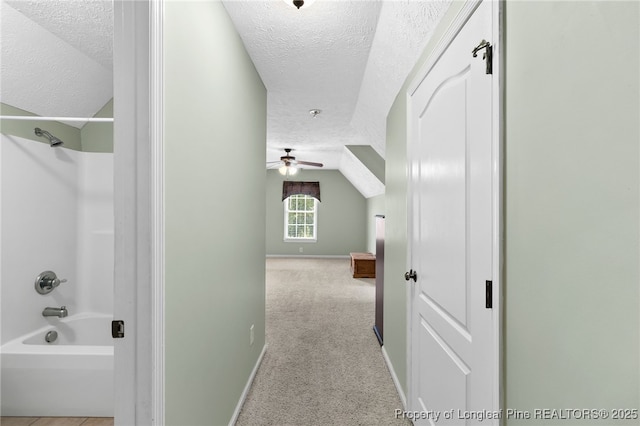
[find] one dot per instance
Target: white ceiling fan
(288, 165)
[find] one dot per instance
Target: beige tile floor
(56, 421)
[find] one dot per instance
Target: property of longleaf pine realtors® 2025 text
(536, 414)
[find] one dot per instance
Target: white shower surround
(56, 214)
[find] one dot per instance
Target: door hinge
(117, 329)
(488, 293)
(487, 56)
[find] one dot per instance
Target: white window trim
(315, 224)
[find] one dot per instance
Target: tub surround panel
(38, 231)
(96, 273)
(95, 232)
(57, 214)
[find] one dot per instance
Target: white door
(453, 333)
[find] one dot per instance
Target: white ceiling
(56, 56)
(348, 59)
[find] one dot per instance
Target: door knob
(411, 275)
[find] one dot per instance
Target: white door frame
(139, 212)
(497, 184)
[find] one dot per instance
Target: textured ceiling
(346, 58)
(56, 56)
(87, 25)
(403, 30)
(311, 58)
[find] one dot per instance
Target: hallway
(323, 364)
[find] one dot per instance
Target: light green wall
(98, 137)
(92, 137)
(215, 110)
(572, 120)
(375, 206)
(395, 250)
(25, 129)
(370, 158)
(395, 241)
(342, 223)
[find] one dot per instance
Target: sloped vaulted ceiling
(56, 56)
(346, 58)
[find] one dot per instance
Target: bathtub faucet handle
(47, 281)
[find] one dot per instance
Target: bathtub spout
(55, 312)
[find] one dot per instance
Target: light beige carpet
(323, 364)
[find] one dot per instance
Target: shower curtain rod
(36, 118)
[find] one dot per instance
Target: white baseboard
(394, 377)
(245, 392)
(309, 256)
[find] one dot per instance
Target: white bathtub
(72, 376)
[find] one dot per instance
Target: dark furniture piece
(377, 328)
(363, 265)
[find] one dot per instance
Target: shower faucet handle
(47, 281)
(57, 281)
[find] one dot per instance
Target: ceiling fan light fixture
(299, 4)
(288, 170)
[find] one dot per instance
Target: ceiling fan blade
(310, 163)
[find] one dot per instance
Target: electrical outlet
(251, 335)
(301, 250)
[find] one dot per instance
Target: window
(300, 218)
